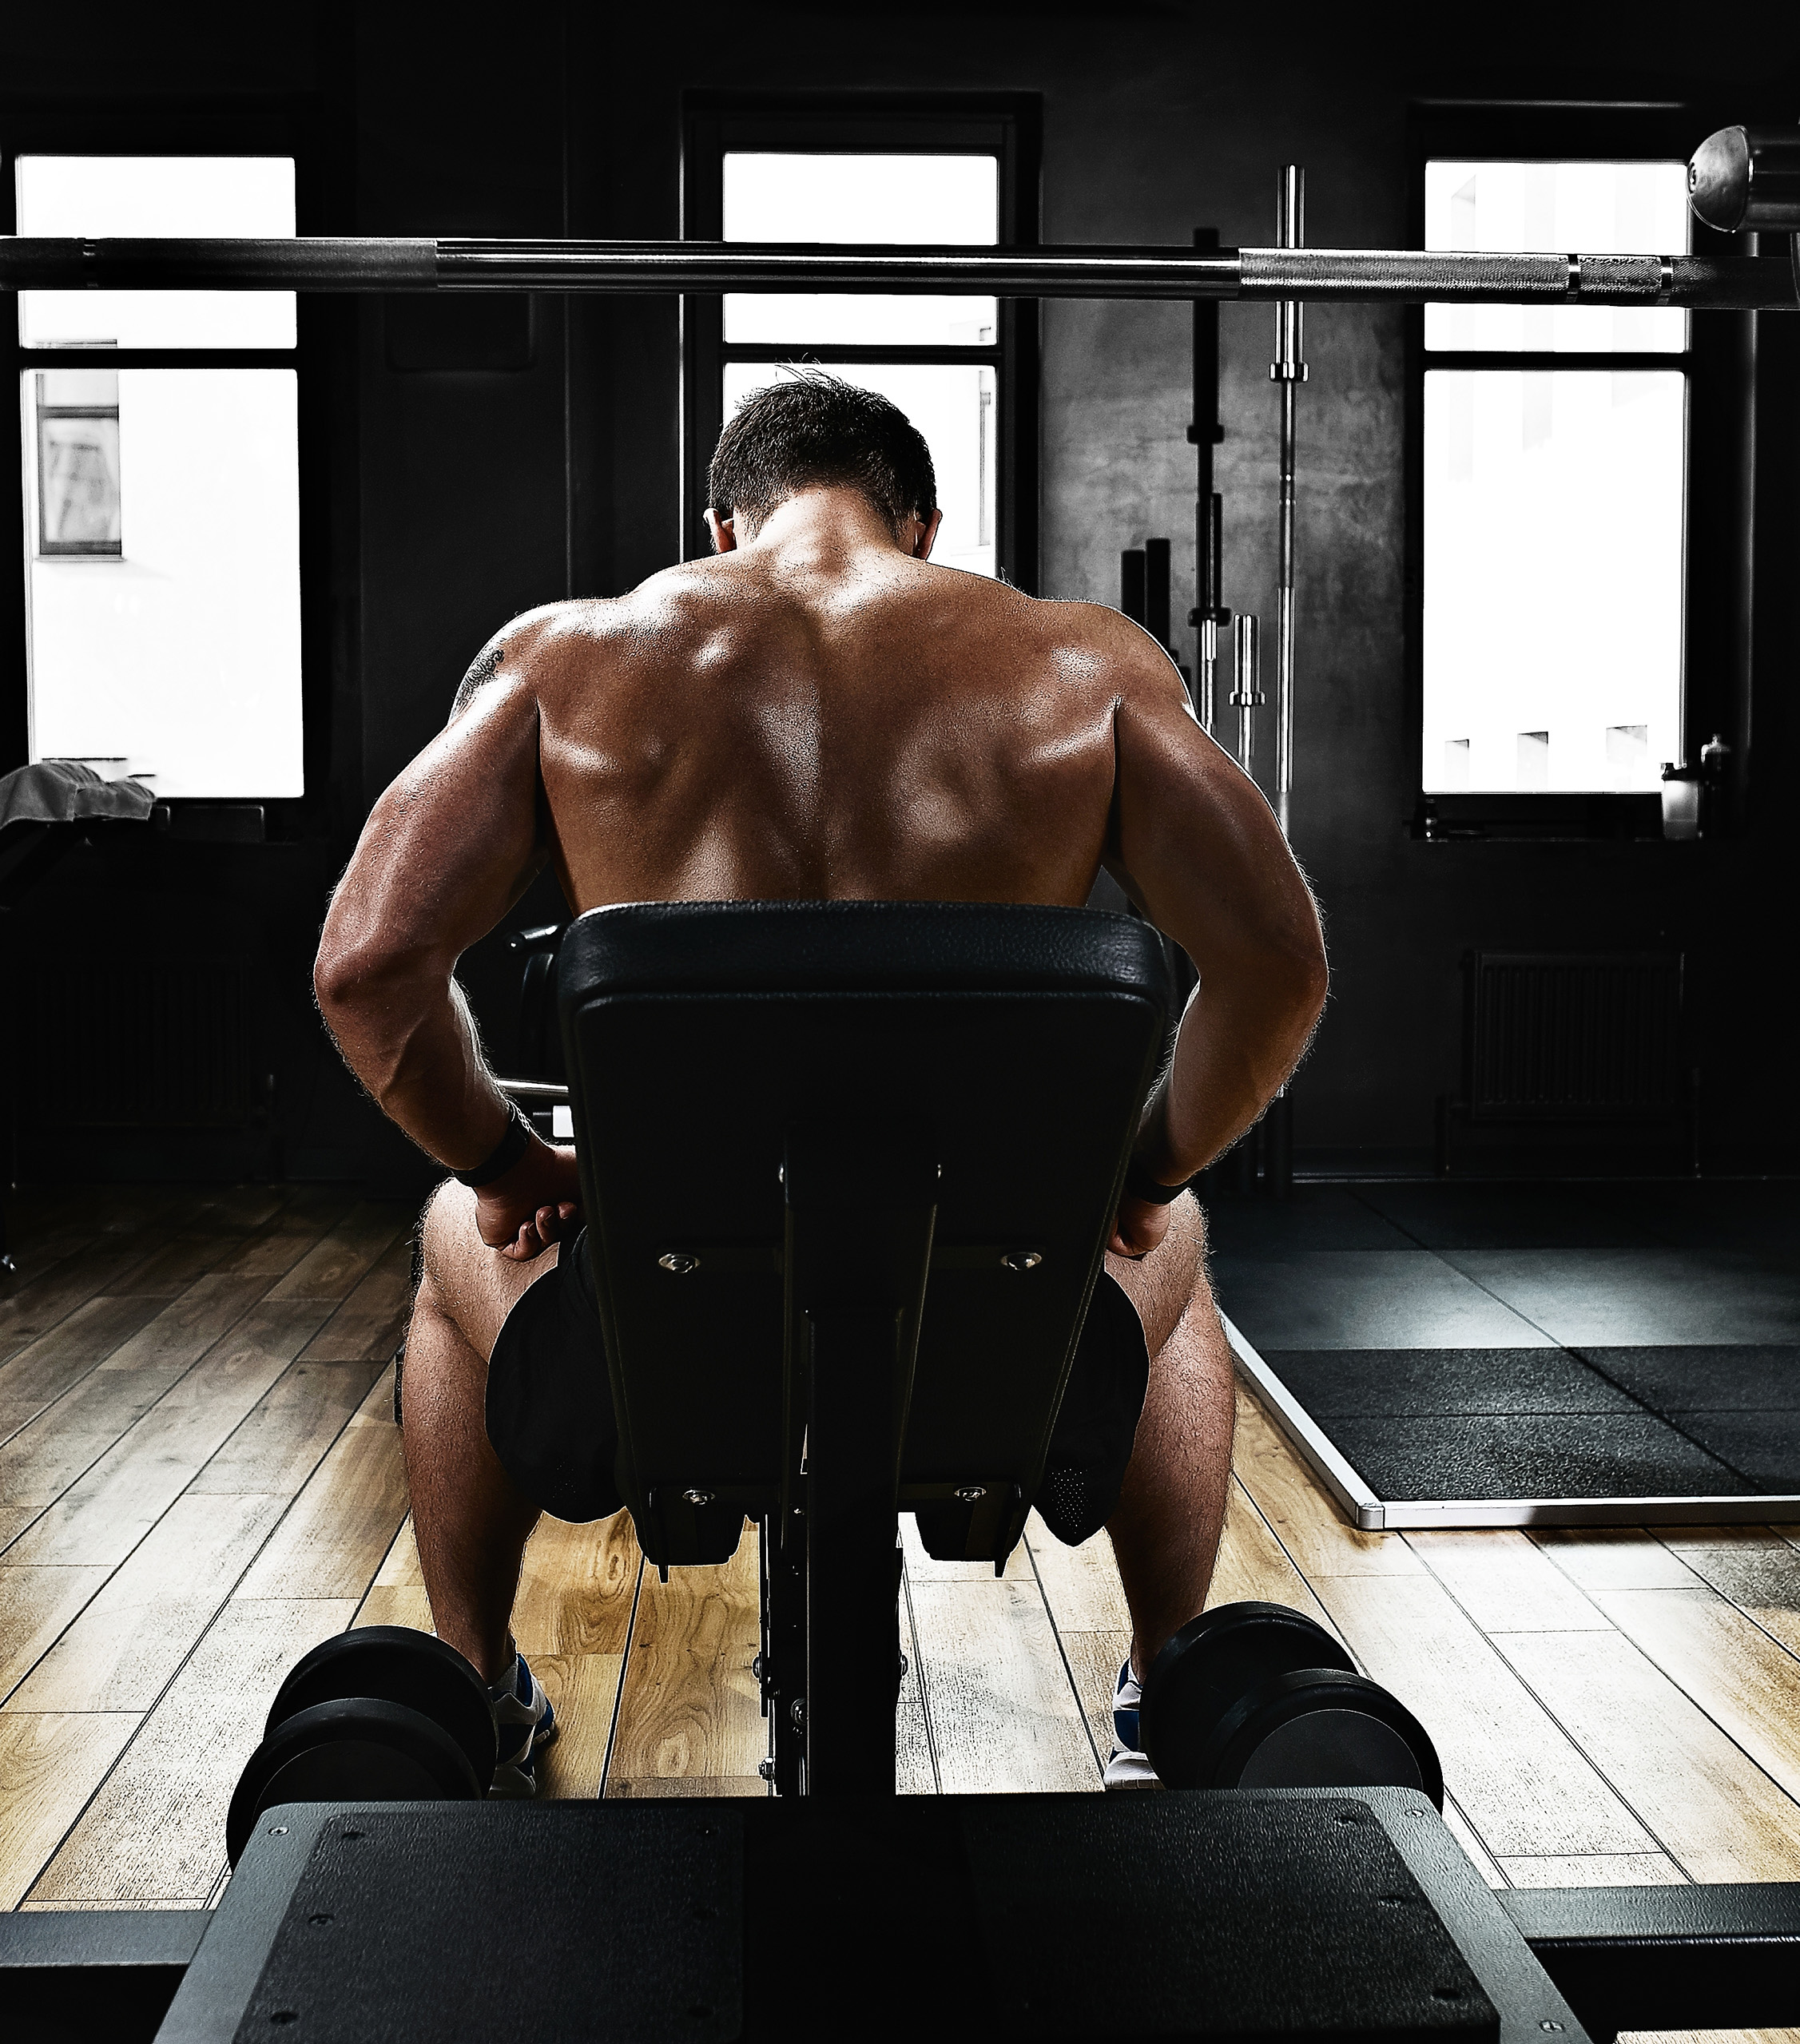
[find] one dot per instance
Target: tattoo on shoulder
(486, 666)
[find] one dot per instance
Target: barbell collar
(349, 264)
(1747, 180)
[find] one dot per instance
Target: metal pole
(1737, 283)
(1245, 693)
(1204, 433)
(1208, 614)
(1288, 370)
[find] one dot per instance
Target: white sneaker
(1128, 1766)
(526, 1721)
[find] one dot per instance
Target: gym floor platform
(202, 1479)
(1492, 1354)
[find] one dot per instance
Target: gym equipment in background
(1205, 432)
(1145, 577)
(1247, 697)
(1748, 180)
(1287, 372)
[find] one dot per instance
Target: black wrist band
(1140, 1186)
(505, 1153)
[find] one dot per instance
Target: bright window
(162, 502)
(952, 200)
(817, 197)
(1555, 464)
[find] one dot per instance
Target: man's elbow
(365, 979)
(1316, 986)
(351, 976)
(1301, 982)
(339, 976)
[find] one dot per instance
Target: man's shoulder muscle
(1103, 647)
(535, 644)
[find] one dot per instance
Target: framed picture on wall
(80, 508)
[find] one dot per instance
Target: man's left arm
(445, 851)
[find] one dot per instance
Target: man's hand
(527, 1208)
(1140, 1226)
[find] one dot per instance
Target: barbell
(1740, 178)
(344, 262)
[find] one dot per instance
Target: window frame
(1007, 126)
(285, 127)
(1716, 512)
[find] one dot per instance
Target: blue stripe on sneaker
(513, 1699)
(1125, 1698)
(546, 1717)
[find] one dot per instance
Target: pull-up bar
(351, 264)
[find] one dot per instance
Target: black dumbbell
(383, 1715)
(1255, 1695)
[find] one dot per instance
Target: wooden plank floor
(200, 1478)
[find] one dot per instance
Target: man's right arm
(1197, 847)
(448, 848)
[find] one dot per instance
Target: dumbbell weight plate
(354, 1749)
(1214, 1661)
(398, 1665)
(1319, 1728)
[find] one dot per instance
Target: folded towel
(65, 792)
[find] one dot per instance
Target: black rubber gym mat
(1483, 1423)
(1757, 1217)
(1493, 1456)
(1392, 1383)
(1764, 1446)
(1528, 1217)
(1738, 1377)
(1385, 1351)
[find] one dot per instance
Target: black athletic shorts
(549, 1407)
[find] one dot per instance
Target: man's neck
(832, 528)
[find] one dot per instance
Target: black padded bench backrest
(1010, 1047)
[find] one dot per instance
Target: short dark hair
(813, 429)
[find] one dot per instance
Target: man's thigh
(475, 1285)
(1162, 1284)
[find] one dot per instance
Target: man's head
(814, 431)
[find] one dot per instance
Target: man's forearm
(416, 1050)
(1232, 1057)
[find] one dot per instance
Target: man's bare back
(817, 714)
(822, 716)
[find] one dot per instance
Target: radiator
(1571, 1037)
(158, 1043)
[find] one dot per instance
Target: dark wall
(463, 496)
